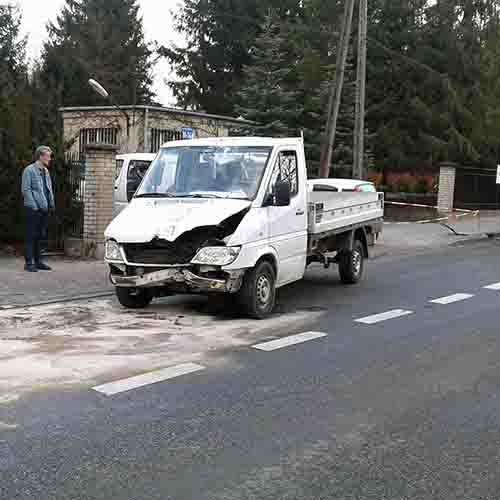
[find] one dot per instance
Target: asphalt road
(401, 408)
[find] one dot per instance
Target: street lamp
(99, 89)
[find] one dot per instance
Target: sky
(158, 27)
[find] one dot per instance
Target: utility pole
(359, 122)
(336, 90)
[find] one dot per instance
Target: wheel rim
(263, 290)
(356, 262)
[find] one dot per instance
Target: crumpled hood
(167, 219)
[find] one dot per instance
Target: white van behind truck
(234, 216)
(130, 170)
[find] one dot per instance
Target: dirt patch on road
(96, 341)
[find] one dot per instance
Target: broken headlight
(113, 251)
(216, 256)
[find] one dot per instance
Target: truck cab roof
(237, 141)
(137, 156)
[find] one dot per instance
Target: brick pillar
(446, 191)
(99, 191)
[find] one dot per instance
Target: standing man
(38, 202)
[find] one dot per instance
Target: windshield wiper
(198, 195)
(154, 195)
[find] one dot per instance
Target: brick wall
(446, 191)
(99, 192)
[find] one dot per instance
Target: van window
(136, 171)
(119, 165)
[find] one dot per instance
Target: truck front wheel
(133, 298)
(257, 295)
(352, 263)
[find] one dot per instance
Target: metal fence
(160, 136)
(68, 177)
(104, 135)
(476, 189)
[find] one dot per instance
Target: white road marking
(7, 427)
(128, 384)
(494, 286)
(377, 318)
(272, 345)
(450, 299)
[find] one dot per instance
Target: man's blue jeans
(35, 230)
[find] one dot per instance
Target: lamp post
(99, 89)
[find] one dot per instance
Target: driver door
(288, 225)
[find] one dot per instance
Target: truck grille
(163, 252)
(158, 252)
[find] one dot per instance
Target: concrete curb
(473, 238)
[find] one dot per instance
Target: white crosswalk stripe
(272, 345)
(128, 384)
(494, 286)
(378, 318)
(450, 299)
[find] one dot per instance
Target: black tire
(133, 298)
(352, 264)
(257, 295)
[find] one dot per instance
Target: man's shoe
(30, 268)
(43, 267)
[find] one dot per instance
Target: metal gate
(476, 188)
(68, 177)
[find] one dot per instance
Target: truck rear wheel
(133, 298)
(352, 264)
(257, 295)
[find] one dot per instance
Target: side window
(366, 188)
(286, 170)
(119, 165)
(325, 187)
(136, 171)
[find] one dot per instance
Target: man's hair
(42, 150)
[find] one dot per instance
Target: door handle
(299, 212)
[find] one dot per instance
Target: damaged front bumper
(181, 278)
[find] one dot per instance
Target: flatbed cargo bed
(329, 212)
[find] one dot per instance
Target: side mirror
(282, 194)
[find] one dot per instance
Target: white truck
(234, 216)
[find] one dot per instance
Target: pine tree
(219, 36)
(13, 78)
(101, 39)
(286, 87)
(270, 96)
(14, 117)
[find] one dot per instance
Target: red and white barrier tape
(451, 214)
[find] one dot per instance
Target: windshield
(206, 172)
